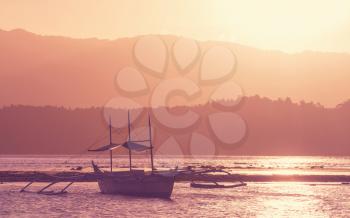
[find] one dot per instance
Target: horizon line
(286, 99)
(173, 35)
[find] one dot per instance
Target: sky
(286, 25)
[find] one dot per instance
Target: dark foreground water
(255, 200)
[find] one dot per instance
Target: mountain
(273, 127)
(59, 71)
(67, 82)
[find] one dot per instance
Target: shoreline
(66, 176)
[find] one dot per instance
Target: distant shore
(46, 176)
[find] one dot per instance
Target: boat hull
(143, 186)
(214, 185)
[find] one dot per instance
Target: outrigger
(45, 192)
(134, 182)
(210, 183)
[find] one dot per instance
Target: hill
(58, 71)
(278, 127)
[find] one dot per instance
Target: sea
(257, 199)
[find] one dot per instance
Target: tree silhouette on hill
(275, 127)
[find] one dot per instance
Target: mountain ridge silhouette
(274, 127)
(55, 70)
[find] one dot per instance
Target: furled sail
(135, 146)
(105, 148)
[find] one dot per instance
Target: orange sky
(271, 24)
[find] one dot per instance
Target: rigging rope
(99, 140)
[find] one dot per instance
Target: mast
(129, 139)
(150, 139)
(110, 142)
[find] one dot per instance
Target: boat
(211, 185)
(134, 182)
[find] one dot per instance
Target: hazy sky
(290, 26)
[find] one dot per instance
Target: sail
(135, 146)
(105, 148)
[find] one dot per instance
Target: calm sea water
(255, 200)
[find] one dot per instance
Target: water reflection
(255, 200)
(290, 200)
